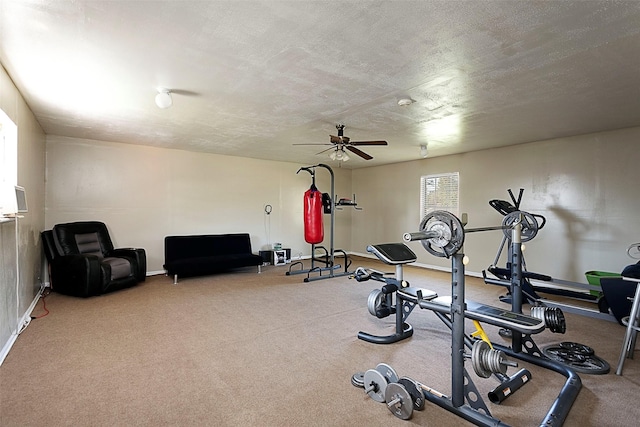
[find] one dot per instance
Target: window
(439, 192)
(8, 164)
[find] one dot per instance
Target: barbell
(442, 233)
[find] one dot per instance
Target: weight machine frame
(578, 289)
(329, 257)
(475, 410)
(560, 408)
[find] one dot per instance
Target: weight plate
(530, 225)
(388, 372)
(399, 401)
(450, 230)
(577, 360)
(444, 231)
(375, 385)
(374, 302)
(576, 347)
(555, 319)
(415, 391)
(552, 316)
(358, 379)
(478, 351)
(603, 305)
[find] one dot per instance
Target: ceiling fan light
(345, 157)
(333, 155)
(163, 98)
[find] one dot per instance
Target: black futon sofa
(199, 255)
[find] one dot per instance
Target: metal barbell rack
(442, 234)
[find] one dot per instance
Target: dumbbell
(415, 391)
(399, 401)
(376, 380)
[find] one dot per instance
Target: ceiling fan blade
(312, 144)
(324, 151)
(360, 153)
(369, 143)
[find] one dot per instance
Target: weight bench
(415, 295)
(488, 314)
(399, 254)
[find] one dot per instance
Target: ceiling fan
(340, 142)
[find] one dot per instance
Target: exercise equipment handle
(361, 275)
(421, 235)
(493, 228)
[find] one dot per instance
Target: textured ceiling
(252, 78)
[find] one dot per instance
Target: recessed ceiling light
(403, 102)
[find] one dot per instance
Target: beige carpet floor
(248, 349)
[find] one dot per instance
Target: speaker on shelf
(280, 257)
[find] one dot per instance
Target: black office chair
(84, 263)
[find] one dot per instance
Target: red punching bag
(313, 224)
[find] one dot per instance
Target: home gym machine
(314, 208)
(578, 357)
(442, 234)
(534, 284)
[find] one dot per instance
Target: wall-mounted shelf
(347, 202)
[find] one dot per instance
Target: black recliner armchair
(84, 262)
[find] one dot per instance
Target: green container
(593, 277)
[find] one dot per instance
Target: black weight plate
(358, 379)
(576, 347)
(554, 319)
(415, 391)
(447, 245)
(582, 363)
(603, 305)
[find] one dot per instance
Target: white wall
(18, 287)
(585, 186)
(144, 194)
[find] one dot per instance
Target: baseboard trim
(156, 272)
(7, 347)
(21, 326)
